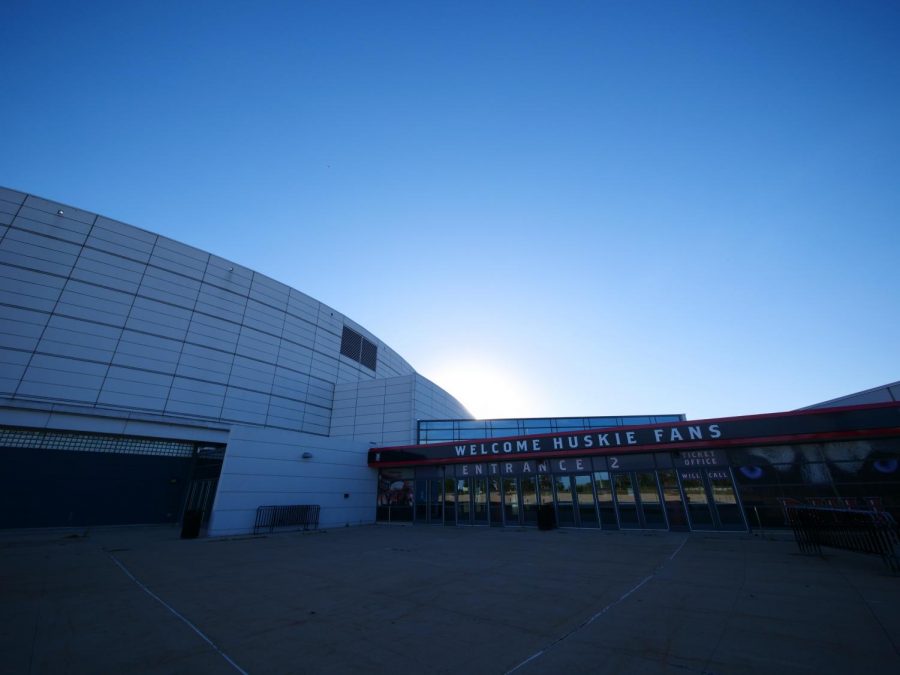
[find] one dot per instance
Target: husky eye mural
(819, 463)
(859, 474)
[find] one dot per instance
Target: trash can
(546, 517)
(190, 526)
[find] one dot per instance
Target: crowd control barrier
(294, 516)
(873, 532)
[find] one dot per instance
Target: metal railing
(295, 516)
(873, 532)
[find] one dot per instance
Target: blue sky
(550, 208)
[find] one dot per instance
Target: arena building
(142, 379)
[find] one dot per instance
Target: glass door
(651, 510)
(565, 508)
(529, 500)
(464, 501)
(605, 504)
(587, 505)
(435, 502)
(725, 500)
(626, 501)
(449, 501)
(696, 500)
(511, 510)
(545, 496)
(495, 497)
(421, 501)
(480, 501)
(672, 498)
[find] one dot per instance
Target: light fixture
(59, 212)
(307, 455)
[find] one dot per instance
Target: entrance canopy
(688, 439)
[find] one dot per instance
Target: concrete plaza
(402, 599)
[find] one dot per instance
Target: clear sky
(549, 208)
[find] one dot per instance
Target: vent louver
(358, 348)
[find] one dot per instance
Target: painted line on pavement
(603, 611)
(175, 612)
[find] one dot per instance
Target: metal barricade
(873, 532)
(295, 516)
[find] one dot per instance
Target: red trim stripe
(631, 449)
(661, 425)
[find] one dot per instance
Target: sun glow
(486, 390)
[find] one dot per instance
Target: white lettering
(465, 469)
(507, 446)
(573, 442)
(618, 440)
(589, 441)
(521, 446)
(629, 436)
(493, 468)
(460, 450)
(603, 440)
(536, 444)
(714, 431)
(695, 433)
(473, 449)
(526, 467)
(483, 449)
(494, 448)
(557, 444)
(675, 435)
(562, 465)
(508, 467)
(542, 468)
(479, 469)
(658, 434)
(579, 464)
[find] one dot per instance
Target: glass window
(635, 420)
(536, 426)
(472, 429)
(435, 424)
(430, 435)
(601, 422)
